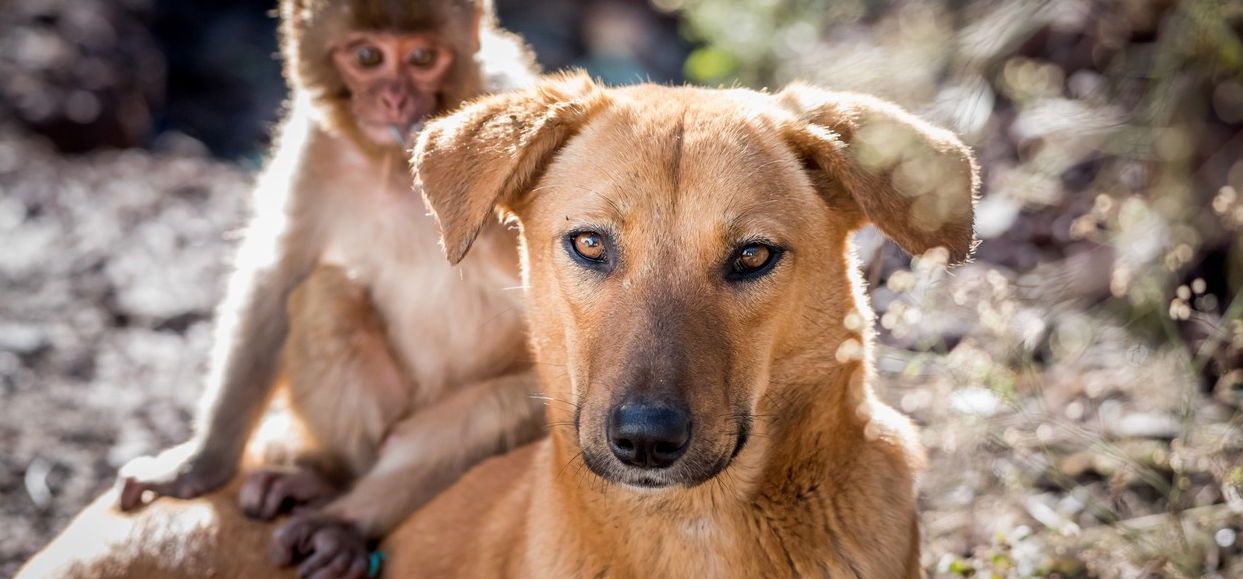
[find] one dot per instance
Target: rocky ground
(1061, 444)
(110, 266)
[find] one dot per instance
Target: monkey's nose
(648, 436)
(397, 103)
(394, 102)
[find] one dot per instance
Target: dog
(701, 332)
(700, 326)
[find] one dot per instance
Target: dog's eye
(752, 257)
(589, 245)
(751, 261)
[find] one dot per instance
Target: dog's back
(168, 539)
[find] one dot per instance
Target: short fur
(824, 483)
(776, 371)
(405, 370)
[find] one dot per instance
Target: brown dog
(701, 332)
(700, 329)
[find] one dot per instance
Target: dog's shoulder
(486, 507)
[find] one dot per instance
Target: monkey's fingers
(291, 541)
(270, 492)
(328, 547)
(253, 494)
(344, 566)
(280, 496)
(132, 491)
(334, 564)
(339, 550)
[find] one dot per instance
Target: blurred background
(1079, 385)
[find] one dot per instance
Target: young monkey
(405, 372)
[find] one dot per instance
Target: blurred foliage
(1086, 383)
(90, 74)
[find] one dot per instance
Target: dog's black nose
(648, 436)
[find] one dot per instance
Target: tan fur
(404, 370)
(825, 483)
(206, 537)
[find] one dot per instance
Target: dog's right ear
(917, 183)
(481, 158)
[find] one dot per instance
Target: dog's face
(666, 252)
(680, 246)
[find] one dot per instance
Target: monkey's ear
(486, 155)
(917, 183)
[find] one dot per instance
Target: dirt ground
(110, 266)
(1060, 444)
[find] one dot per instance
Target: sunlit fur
(488, 57)
(402, 370)
(824, 485)
(455, 336)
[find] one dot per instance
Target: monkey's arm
(429, 450)
(251, 324)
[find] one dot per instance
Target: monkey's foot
(328, 548)
(267, 493)
(181, 472)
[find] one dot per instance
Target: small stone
(1145, 425)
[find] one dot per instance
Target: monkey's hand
(269, 492)
(184, 471)
(327, 547)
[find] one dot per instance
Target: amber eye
(589, 245)
(369, 56)
(752, 261)
(752, 257)
(422, 58)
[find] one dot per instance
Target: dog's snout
(649, 436)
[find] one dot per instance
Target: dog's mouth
(700, 464)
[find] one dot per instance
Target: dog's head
(685, 248)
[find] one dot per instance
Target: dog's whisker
(553, 399)
(577, 456)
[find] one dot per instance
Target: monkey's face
(393, 80)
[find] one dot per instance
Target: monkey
(403, 371)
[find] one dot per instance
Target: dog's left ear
(917, 183)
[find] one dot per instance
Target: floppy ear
(481, 158)
(917, 183)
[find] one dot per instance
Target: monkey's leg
(424, 454)
(345, 387)
(251, 324)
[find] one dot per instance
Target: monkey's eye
(422, 57)
(752, 261)
(369, 56)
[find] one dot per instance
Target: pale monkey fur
(404, 371)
